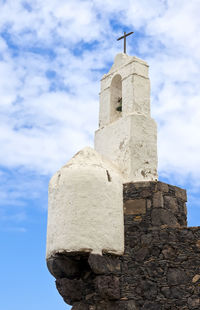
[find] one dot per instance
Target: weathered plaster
(85, 211)
(131, 145)
(128, 138)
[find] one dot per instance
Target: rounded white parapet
(85, 211)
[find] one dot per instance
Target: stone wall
(160, 268)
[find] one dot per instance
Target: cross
(124, 37)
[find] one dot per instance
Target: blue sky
(52, 56)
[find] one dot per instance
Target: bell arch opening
(116, 104)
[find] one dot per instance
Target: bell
(119, 108)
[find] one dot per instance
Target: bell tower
(127, 134)
(116, 237)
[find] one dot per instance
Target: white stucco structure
(85, 211)
(128, 138)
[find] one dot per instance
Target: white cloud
(45, 119)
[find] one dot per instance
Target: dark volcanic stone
(176, 276)
(163, 217)
(80, 306)
(108, 287)
(177, 292)
(168, 252)
(151, 306)
(166, 292)
(61, 266)
(141, 254)
(70, 290)
(149, 289)
(127, 305)
(103, 264)
(194, 302)
(160, 267)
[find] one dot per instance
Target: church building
(117, 238)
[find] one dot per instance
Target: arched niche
(116, 98)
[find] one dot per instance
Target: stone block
(176, 276)
(108, 287)
(161, 217)
(80, 306)
(127, 305)
(196, 278)
(149, 289)
(146, 239)
(180, 193)
(146, 193)
(194, 302)
(171, 203)
(135, 206)
(61, 266)
(70, 290)
(166, 291)
(163, 187)
(168, 252)
(141, 254)
(158, 200)
(178, 292)
(103, 264)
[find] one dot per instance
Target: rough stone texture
(133, 206)
(108, 287)
(165, 204)
(160, 269)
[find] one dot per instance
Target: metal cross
(124, 37)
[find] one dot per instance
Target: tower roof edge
(122, 59)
